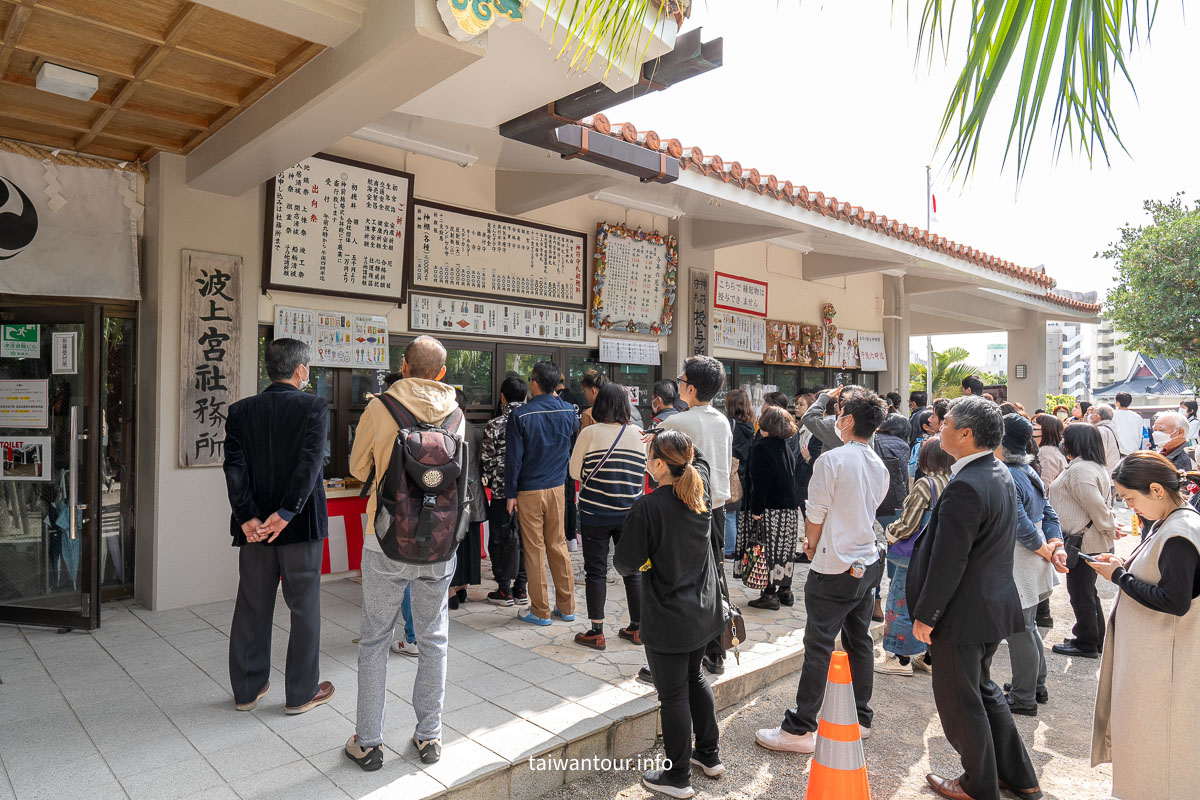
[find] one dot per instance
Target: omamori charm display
(634, 281)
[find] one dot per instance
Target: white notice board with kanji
(634, 280)
(462, 252)
(339, 227)
(335, 338)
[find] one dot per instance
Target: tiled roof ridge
(693, 158)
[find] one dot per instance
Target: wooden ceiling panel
(202, 78)
(76, 44)
(243, 43)
(147, 20)
(171, 72)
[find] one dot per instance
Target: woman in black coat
(772, 505)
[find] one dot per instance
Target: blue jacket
(1032, 508)
(538, 445)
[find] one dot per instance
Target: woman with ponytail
(1145, 721)
(666, 538)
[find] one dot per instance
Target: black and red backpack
(420, 514)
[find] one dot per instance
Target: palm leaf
(611, 29)
(1084, 41)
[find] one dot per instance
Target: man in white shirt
(1129, 424)
(709, 430)
(847, 486)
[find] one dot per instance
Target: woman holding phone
(1145, 721)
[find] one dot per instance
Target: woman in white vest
(1146, 722)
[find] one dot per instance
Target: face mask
(842, 433)
(1160, 438)
(304, 384)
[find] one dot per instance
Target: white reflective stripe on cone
(839, 706)
(839, 755)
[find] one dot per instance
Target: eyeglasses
(681, 379)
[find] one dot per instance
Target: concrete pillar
(689, 258)
(896, 329)
(1028, 347)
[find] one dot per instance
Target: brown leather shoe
(947, 787)
(592, 640)
(324, 695)
(1033, 794)
(634, 636)
(254, 703)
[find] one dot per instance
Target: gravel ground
(907, 741)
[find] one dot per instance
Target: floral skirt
(897, 633)
(776, 532)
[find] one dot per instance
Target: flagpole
(928, 194)
(928, 339)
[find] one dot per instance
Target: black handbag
(734, 632)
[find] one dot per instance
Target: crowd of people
(972, 509)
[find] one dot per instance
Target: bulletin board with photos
(634, 280)
(795, 343)
(335, 226)
(474, 254)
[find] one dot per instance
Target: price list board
(470, 253)
(469, 317)
(634, 280)
(739, 332)
(339, 227)
(336, 339)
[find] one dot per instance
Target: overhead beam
(713, 235)
(914, 284)
(972, 309)
(521, 192)
(17, 21)
(327, 22)
(819, 266)
(929, 325)
(400, 51)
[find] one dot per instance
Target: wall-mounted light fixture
(650, 207)
(66, 82)
(460, 157)
(1021, 372)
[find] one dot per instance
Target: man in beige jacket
(384, 580)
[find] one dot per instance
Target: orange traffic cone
(839, 767)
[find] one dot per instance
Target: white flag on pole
(932, 210)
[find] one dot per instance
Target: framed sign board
(470, 253)
(743, 295)
(339, 227)
(471, 317)
(739, 332)
(634, 281)
(794, 343)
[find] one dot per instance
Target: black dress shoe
(1041, 695)
(643, 676)
(768, 602)
(786, 599)
(1071, 650)
(947, 787)
(1025, 712)
(1032, 794)
(716, 667)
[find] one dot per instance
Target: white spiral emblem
(431, 478)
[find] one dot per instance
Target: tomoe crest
(18, 219)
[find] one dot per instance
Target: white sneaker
(920, 663)
(784, 742)
(892, 666)
(405, 648)
(864, 732)
(573, 544)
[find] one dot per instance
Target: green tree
(1156, 299)
(1080, 45)
(949, 369)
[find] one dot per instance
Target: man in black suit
(964, 602)
(274, 455)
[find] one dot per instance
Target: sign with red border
(740, 294)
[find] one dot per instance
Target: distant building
(1113, 361)
(1066, 366)
(997, 359)
(1153, 382)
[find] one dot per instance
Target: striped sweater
(606, 496)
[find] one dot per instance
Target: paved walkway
(141, 707)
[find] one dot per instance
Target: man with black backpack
(410, 450)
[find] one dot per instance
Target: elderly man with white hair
(1170, 434)
(1102, 417)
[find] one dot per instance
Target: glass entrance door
(49, 481)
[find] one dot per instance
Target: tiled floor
(141, 707)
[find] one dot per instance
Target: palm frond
(615, 30)
(1083, 41)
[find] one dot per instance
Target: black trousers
(836, 604)
(508, 561)
(261, 568)
(570, 509)
(977, 720)
(596, 539)
(687, 707)
(714, 650)
(1085, 602)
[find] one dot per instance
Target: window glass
(472, 370)
(640, 377)
(362, 382)
(577, 366)
(522, 363)
(750, 378)
(787, 379)
(719, 400)
(868, 379)
(320, 379)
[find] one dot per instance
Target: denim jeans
(730, 532)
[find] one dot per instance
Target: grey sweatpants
(383, 582)
(1028, 657)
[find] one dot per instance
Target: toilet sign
(20, 341)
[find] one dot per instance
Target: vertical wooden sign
(210, 362)
(699, 337)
